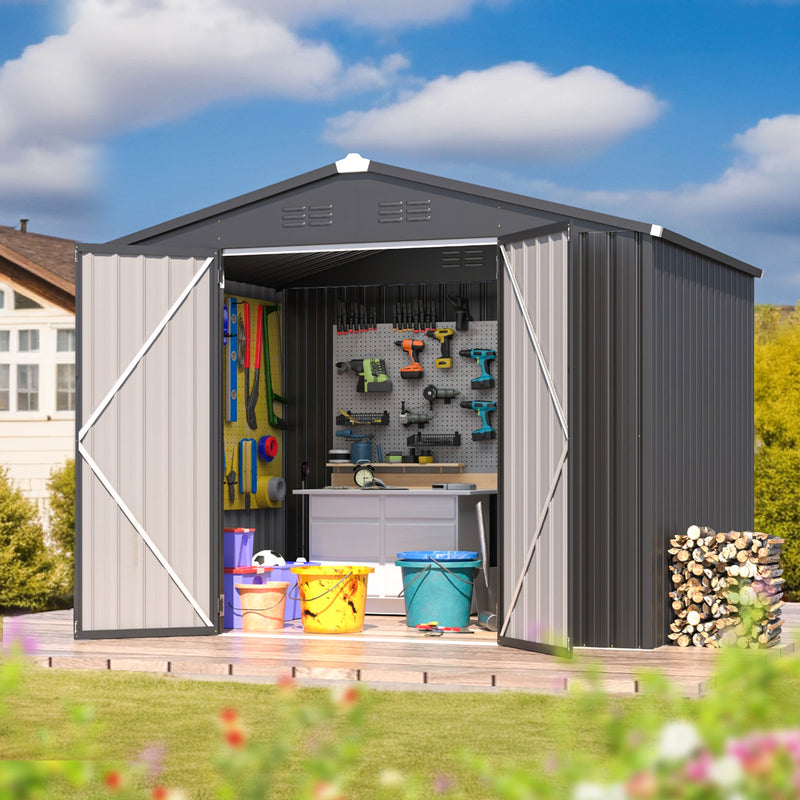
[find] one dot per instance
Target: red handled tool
(251, 397)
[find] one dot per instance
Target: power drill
(483, 357)
(371, 373)
(413, 347)
(443, 335)
(484, 408)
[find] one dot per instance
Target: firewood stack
(726, 588)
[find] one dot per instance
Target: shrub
(29, 576)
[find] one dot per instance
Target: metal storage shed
(624, 387)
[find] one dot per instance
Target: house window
(29, 341)
(27, 387)
(5, 341)
(21, 301)
(5, 389)
(2, 300)
(65, 387)
(65, 341)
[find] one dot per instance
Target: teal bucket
(437, 589)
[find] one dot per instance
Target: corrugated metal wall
(152, 442)
(605, 429)
(698, 414)
(534, 518)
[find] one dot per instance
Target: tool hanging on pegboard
(232, 361)
(272, 396)
(251, 396)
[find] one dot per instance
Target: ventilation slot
(300, 216)
(404, 211)
(456, 259)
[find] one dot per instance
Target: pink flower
(697, 769)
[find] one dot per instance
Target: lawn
(378, 743)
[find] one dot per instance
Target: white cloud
(127, 64)
(380, 14)
(510, 111)
(752, 211)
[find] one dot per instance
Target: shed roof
(43, 264)
(343, 170)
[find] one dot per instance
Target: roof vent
(311, 215)
(353, 162)
(404, 211)
(462, 258)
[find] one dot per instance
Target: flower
(324, 790)
(678, 741)
(235, 737)
(594, 791)
(16, 636)
(641, 785)
(443, 784)
(113, 779)
(345, 697)
(725, 772)
(152, 759)
(391, 777)
(229, 716)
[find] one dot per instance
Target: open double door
(149, 456)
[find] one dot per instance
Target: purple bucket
(238, 547)
(284, 573)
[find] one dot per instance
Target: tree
(62, 507)
(29, 575)
(777, 427)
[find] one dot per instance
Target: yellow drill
(445, 361)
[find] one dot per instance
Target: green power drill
(371, 373)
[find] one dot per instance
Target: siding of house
(34, 443)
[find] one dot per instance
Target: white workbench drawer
(420, 507)
(346, 507)
(345, 541)
(399, 537)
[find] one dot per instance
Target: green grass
(424, 735)
(415, 732)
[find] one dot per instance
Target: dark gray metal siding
(605, 424)
(698, 406)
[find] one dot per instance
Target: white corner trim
(352, 162)
(657, 231)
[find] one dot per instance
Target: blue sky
(119, 114)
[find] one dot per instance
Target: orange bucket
(263, 605)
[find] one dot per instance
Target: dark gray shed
(624, 386)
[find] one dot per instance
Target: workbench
(370, 526)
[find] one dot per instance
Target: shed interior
(312, 286)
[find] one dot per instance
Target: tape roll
(271, 492)
(267, 448)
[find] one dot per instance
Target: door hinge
(75, 628)
(221, 277)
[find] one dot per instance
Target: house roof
(43, 264)
(211, 215)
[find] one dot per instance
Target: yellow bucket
(333, 599)
(263, 605)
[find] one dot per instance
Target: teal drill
(484, 408)
(483, 357)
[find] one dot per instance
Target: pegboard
(477, 456)
(234, 432)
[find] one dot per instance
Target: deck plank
(386, 653)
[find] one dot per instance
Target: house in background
(37, 358)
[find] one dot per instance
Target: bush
(778, 506)
(30, 577)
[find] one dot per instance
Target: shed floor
(387, 655)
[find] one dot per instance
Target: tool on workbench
(362, 418)
(248, 470)
(461, 307)
(431, 393)
(361, 448)
(445, 361)
(231, 414)
(435, 629)
(251, 396)
(413, 347)
(411, 417)
(484, 408)
(272, 396)
(371, 373)
(483, 358)
(230, 478)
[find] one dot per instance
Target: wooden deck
(386, 655)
